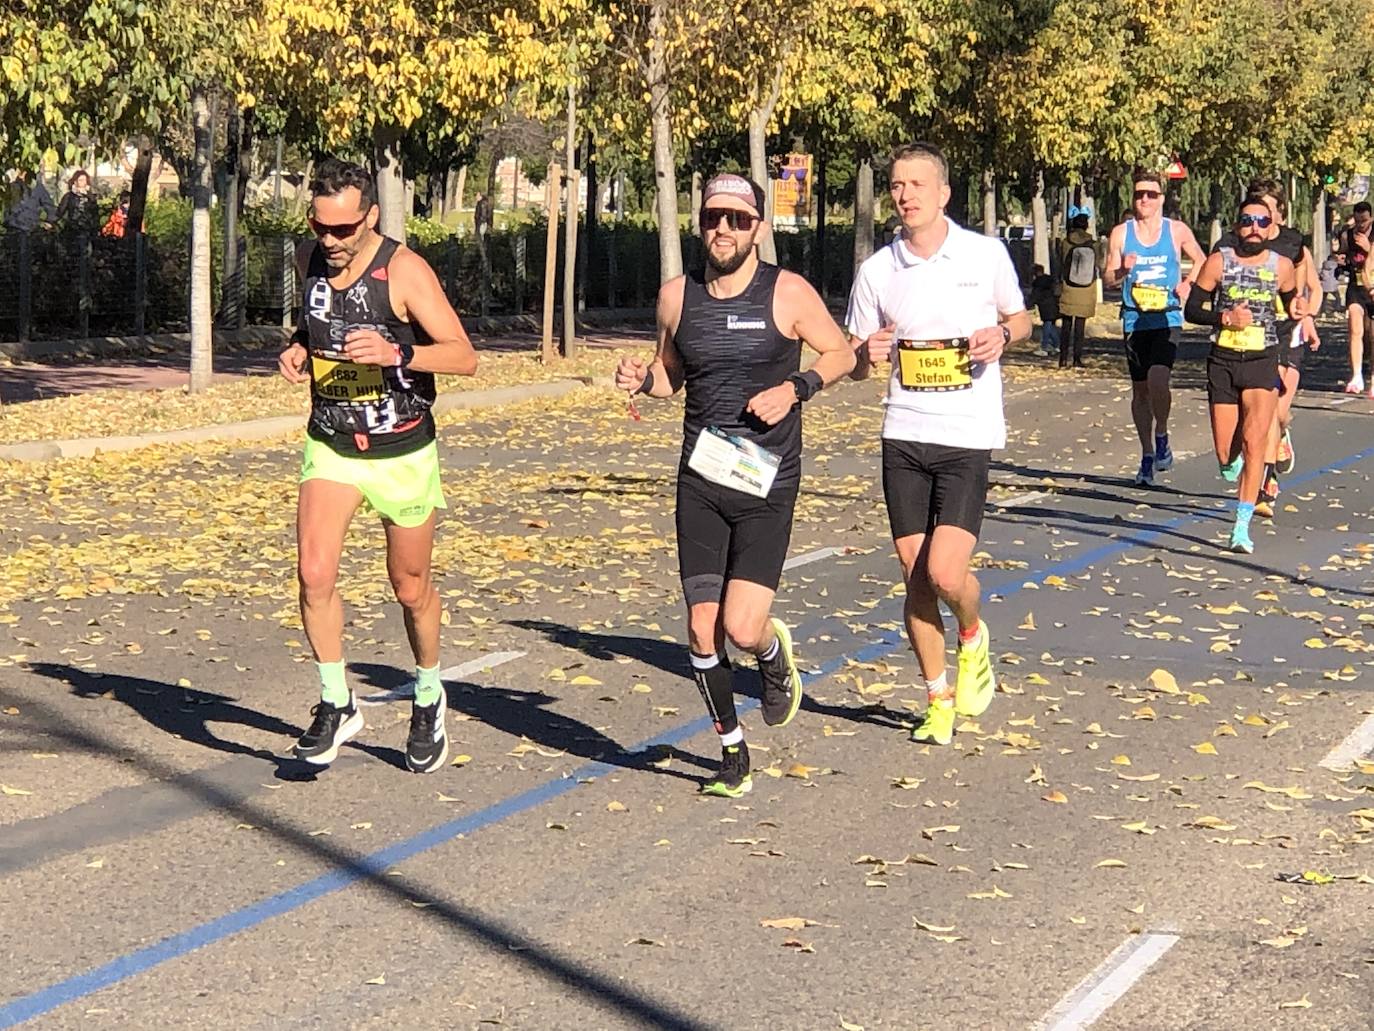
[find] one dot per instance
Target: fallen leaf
(379, 979)
(1163, 680)
(1056, 796)
(789, 923)
(1110, 864)
(1206, 748)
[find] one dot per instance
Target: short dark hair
(333, 176)
(1272, 188)
(926, 151)
(1149, 175)
(1254, 199)
(1363, 208)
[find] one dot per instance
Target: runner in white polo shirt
(941, 304)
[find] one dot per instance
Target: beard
(1249, 248)
(725, 266)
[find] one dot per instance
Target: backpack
(1080, 265)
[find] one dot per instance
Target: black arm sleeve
(1197, 311)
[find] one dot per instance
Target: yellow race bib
(927, 365)
(1149, 298)
(347, 381)
(1251, 338)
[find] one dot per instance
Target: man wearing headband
(940, 304)
(375, 327)
(732, 335)
(1145, 258)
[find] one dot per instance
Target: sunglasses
(1263, 221)
(740, 221)
(1148, 195)
(340, 232)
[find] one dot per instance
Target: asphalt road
(1102, 848)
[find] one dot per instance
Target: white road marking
(1344, 400)
(1358, 745)
(1021, 499)
(1112, 979)
(462, 670)
(813, 556)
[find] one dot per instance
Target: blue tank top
(1148, 300)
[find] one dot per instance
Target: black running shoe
(331, 727)
(427, 745)
(733, 780)
(782, 684)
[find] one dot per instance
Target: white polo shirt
(965, 286)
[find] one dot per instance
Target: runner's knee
(745, 632)
(412, 589)
(318, 575)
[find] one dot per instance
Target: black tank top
(363, 410)
(731, 350)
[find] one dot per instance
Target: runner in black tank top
(363, 410)
(375, 327)
(732, 335)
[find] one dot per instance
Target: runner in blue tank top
(1144, 258)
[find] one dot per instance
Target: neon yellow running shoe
(782, 682)
(938, 726)
(733, 779)
(976, 684)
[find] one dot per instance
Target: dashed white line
(813, 556)
(1357, 745)
(464, 669)
(1113, 978)
(1021, 499)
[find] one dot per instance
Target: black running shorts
(1227, 377)
(1149, 347)
(1356, 294)
(930, 485)
(724, 534)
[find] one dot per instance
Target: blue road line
(377, 863)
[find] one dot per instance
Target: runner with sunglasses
(375, 327)
(1145, 258)
(732, 336)
(940, 304)
(1283, 239)
(1255, 285)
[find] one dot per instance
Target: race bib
(927, 365)
(1149, 298)
(733, 462)
(347, 381)
(1251, 338)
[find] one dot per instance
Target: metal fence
(57, 285)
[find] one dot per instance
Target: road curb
(281, 425)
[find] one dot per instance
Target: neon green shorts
(404, 489)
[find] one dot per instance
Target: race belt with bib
(1148, 297)
(342, 380)
(934, 365)
(734, 462)
(1248, 338)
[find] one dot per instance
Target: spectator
(1329, 276)
(76, 212)
(1078, 285)
(1044, 294)
(30, 205)
(118, 222)
(482, 215)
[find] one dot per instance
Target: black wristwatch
(1006, 335)
(806, 384)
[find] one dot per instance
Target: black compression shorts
(1149, 347)
(930, 485)
(724, 534)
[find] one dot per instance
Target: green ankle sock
(428, 687)
(333, 687)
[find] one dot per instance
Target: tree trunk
(821, 206)
(391, 184)
(695, 202)
(202, 330)
(989, 203)
(138, 189)
(863, 213)
(1040, 224)
(1320, 248)
(585, 256)
(238, 156)
(1214, 232)
(660, 121)
(758, 160)
(460, 187)
(570, 229)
